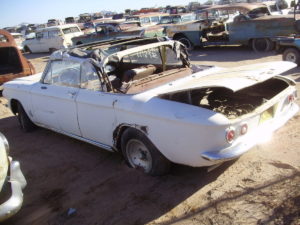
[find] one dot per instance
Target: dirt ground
(74, 183)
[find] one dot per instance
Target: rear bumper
(17, 183)
(260, 135)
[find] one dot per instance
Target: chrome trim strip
(98, 144)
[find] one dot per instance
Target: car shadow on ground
(225, 54)
(63, 173)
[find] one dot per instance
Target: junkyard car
(150, 104)
(114, 30)
(12, 182)
(12, 63)
(52, 38)
(236, 24)
(289, 47)
(18, 39)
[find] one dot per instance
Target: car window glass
(39, 35)
(3, 38)
(63, 73)
(89, 78)
(45, 34)
(110, 29)
(54, 33)
(145, 20)
(70, 30)
(155, 19)
(149, 56)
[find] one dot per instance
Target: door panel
(55, 107)
(96, 116)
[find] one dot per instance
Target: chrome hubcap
(138, 155)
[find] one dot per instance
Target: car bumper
(17, 183)
(260, 135)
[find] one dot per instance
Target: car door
(35, 43)
(44, 42)
(96, 115)
(53, 98)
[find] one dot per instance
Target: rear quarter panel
(180, 131)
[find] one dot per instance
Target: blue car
(289, 47)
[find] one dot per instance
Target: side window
(110, 29)
(45, 34)
(63, 73)
(39, 35)
(145, 20)
(155, 19)
(90, 79)
(54, 33)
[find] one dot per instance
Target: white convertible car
(150, 104)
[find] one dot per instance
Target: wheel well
(14, 106)
(179, 35)
(118, 132)
(79, 43)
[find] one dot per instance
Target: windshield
(70, 30)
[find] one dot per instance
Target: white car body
(19, 40)
(184, 133)
(52, 38)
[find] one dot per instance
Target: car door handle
(43, 87)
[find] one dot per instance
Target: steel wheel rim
(138, 155)
(291, 57)
(185, 42)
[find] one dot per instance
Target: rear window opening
(9, 61)
(229, 103)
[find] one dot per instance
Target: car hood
(234, 79)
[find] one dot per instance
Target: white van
(50, 39)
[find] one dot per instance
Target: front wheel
(291, 55)
(25, 123)
(140, 153)
(186, 42)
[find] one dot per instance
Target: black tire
(25, 123)
(27, 49)
(185, 41)
(158, 164)
(51, 50)
(291, 55)
(262, 44)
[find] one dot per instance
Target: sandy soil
(261, 187)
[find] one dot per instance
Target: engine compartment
(229, 103)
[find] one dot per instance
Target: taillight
(291, 98)
(230, 135)
(244, 129)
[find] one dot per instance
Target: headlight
(5, 142)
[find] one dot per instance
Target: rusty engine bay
(229, 103)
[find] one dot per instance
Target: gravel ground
(65, 175)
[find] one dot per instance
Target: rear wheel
(262, 44)
(140, 153)
(27, 49)
(25, 123)
(291, 55)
